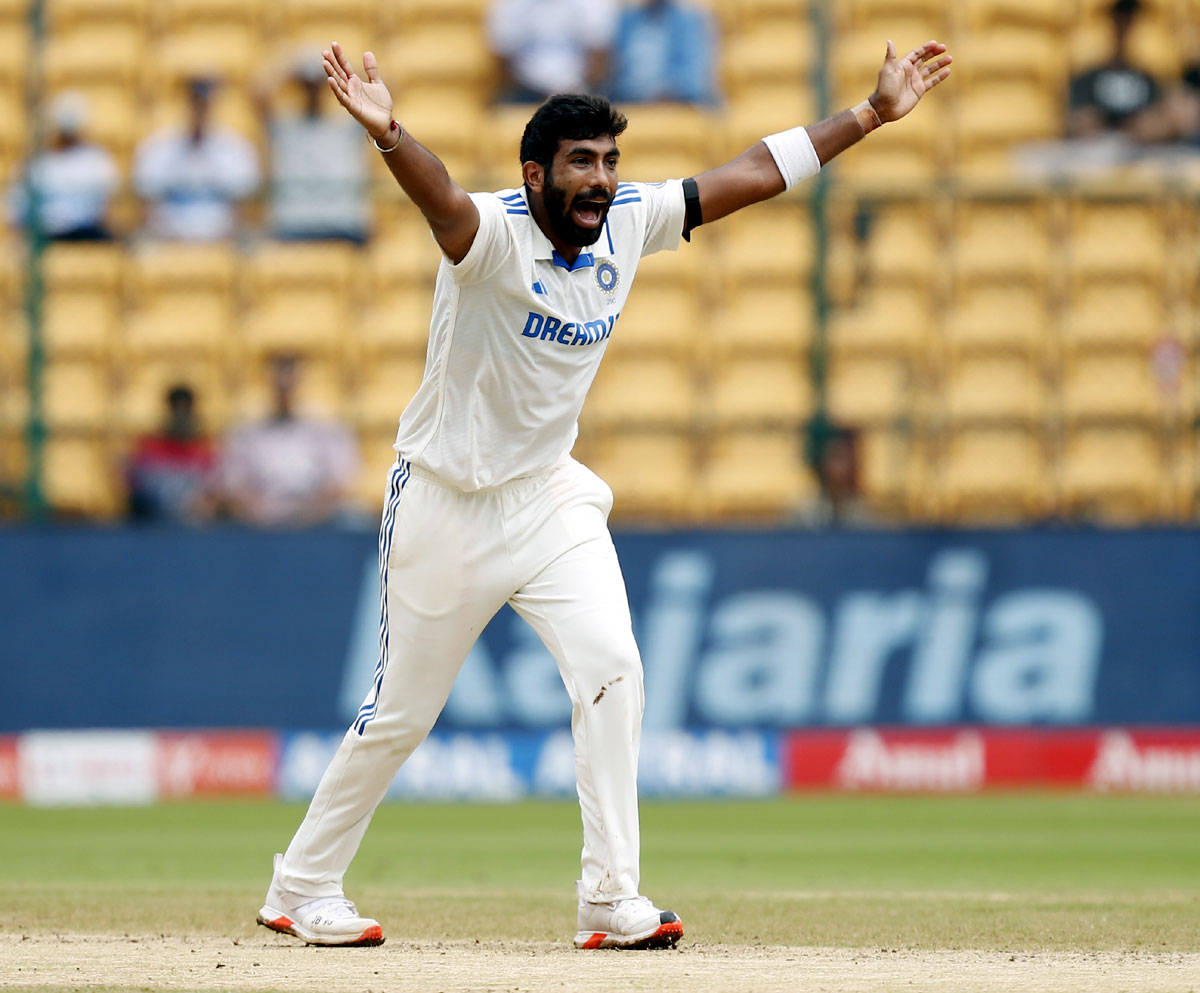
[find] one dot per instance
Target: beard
(558, 211)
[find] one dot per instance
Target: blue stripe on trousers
(399, 477)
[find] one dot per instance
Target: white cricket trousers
(449, 560)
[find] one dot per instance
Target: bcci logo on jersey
(607, 276)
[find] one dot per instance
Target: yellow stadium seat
(437, 54)
(414, 13)
(1117, 241)
(1030, 52)
(870, 391)
(1001, 240)
(81, 478)
(764, 110)
(1114, 316)
(384, 388)
(183, 299)
(113, 56)
(904, 244)
(772, 241)
(1108, 388)
(14, 58)
(67, 15)
(665, 320)
(994, 475)
(889, 321)
(757, 475)
(870, 12)
(82, 300)
(995, 390)
(140, 402)
(771, 53)
(1049, 15)
(760, 392)
(225, 51)
(76, 396)
(652, 476)
(177, 16)
(302, 297)
(1117, 475)
(893, 470)
(992, 318)
(1153, 42)
(766, 317)
(643, 392)
(993, 117)
(396, 321)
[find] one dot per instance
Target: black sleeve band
(693, 216)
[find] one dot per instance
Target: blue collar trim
(583, 260)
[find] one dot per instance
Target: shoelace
(334, 907)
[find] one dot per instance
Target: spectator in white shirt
(289, 469)
(551, 46)
(72, 181)
(194, 178)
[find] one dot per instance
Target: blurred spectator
(1116, 96)
(1184, 102)
(841, 502)
(194, 177)
(72, 180)
(170, 474)
(288, 470)
(550, 46)
(664, 50)
(318, 163)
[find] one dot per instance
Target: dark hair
(568, 116)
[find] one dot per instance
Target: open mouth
(589, 213)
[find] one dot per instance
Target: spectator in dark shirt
(1117, 96)
(170, 474)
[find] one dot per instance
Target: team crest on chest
(607, 276)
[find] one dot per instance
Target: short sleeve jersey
(518, 333)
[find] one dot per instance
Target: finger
(332, 69)
(926, 51)
(339, 91)
(891, 50)
(932, 67)
(932, 81)
(370, 67)
(342, 61)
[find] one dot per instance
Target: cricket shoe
(327, 920)
(632, 923)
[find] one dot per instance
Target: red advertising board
(10, 787)
(964, 759)
(217, 763)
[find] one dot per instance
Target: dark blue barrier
(231, 628)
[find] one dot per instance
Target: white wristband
(794, 155)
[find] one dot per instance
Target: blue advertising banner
(232, 628)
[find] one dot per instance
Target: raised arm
(452, 215)
(756, 175)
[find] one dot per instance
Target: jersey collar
(544, 251)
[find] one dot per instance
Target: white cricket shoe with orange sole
(632, 923)
(327, 920)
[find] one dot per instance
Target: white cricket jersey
(517, 335)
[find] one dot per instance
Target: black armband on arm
(693, 216)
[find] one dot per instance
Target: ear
(534, 175)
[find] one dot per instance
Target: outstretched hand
(368, 101)
(902, 82)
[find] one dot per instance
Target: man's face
(579, 186)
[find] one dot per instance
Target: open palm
(902, 82)
(368, 101)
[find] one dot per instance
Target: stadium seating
(991, 337)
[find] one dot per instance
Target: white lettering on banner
(88, 767)
(458, 767)
(871, 762)
(764, 659)
(1121, 764)
(776, 657)
(1041, 662)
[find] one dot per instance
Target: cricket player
(485, 505)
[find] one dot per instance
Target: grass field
(1017, 874)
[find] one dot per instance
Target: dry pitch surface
(127, 962)
(848, 894)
